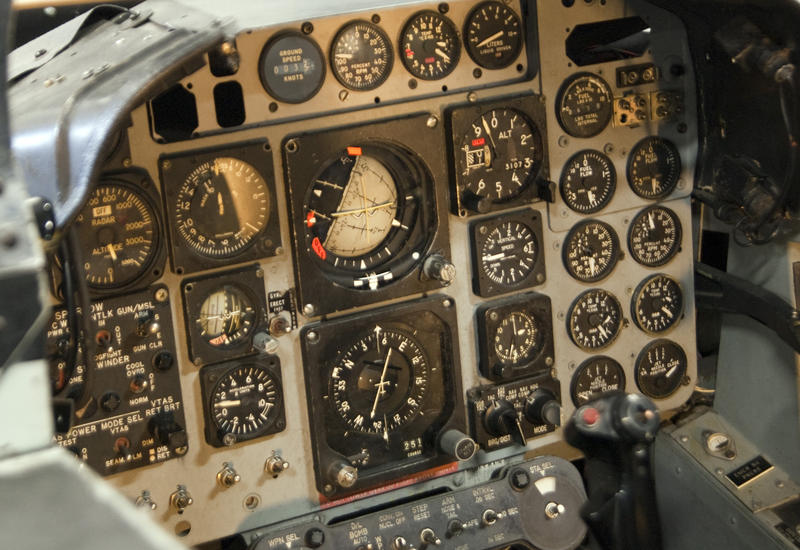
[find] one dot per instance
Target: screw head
(314, 537)
(520, 479)
(309, 310)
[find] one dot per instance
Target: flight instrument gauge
(226, 316)
(119, 229)
(655, 236)
(588, 181)
(292, 67)
(493, 35)
(517, 337)
(584, 105)
(595, 319)
(429, 46)
(381, 387)
(660, 368)
(657, 304)
(594, 377)
(242, 401)
(654, 167)
(507, 253)
(591, 250)
(361, 56)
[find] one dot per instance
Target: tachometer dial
(221, 207)
(493, 35)
(591, 250)
(654, 167)
(657, 304)
(588, 181)
(594, 377)
(595, 319)
(429, 46)
(660, 368)
(517, 338)
(584, 105)
(361, 56)
(119, 230)
(655, 236)
(226, 316)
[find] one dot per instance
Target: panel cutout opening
(174, 114)
(612, 40)
(229, 104)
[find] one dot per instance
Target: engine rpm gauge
(594, 377)
(654, 167)
(588, 181)
(591, 250)
(118, 227)
(584, 105)
(595, 319)
(657, 304)
(429, 46)
(655, 236)
(361, 56)
(493, 35)
(660, 368)
(226, 316)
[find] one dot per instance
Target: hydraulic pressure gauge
(588, 181)
(657, 304)
(591, 250)
(594, 377)
(595, 319)
(584, 105)
(493, 35)
(361, 56)
(660, 368)
(655, 236)
(429, 46)
(654, 167)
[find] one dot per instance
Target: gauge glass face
(430, 47)
(657, 304)
(222, 206)
(501, 154)
(594, 377)
(245, 401)
(588, 181)
(493, 35)
(226, 317)
(118, 228)
(654, 167)
(361, 56)
(660, 368)
(584, 105)
(292, 68)
(595, 319)
(380, 382)
(509, 253)
(516, 338)
(591, 250)
(655, 236)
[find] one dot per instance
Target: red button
(590, 416)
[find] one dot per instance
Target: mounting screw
(520, 479)
(472, 97)
(343, 95)
(309, 310)
(291, 146)
(312, 337)
(166, 165)
(548, 361)
(161, 295)
(563, 141)
(432, 121)
(228, 439)
(307, 27)
(314, 538)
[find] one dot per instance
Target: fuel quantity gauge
(493, 35)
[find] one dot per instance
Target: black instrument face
(657, 304)
(292, 68)
(493, 35)
(595, 319)
(594, 377)
(226, 316)
(591, 250)
(655, 236)
(660, 368)
(361, 56)
(516, 338)
(118, 226)
(429, 46)
(654, 167)
(588, 181)
(222, 206)
(584, 105)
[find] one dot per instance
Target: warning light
(478, 142)
(354, 151)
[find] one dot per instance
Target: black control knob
(542, 407)
(166, 431)
(342, 474)
(437, 267)
(457, 444)
(475, 202)
(500, 418)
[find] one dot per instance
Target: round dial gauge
(429, 46)
(502, 154)
(493, 35)
(221, 207)
(362, 56)
(588, 181)
(381, 382)
(584, 105)
(516, 338)
(660, 368)
(654, 167)
(655, 236)
(118, 228)
(245, 402)
(657, 304)
(292, 67)
(509, 253)
(594, 377)
(226, 317)
(591, 250)
(595, 319)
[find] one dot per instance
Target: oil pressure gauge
(657, 304)
(591, 250)
(594, 377)
(595, 319)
